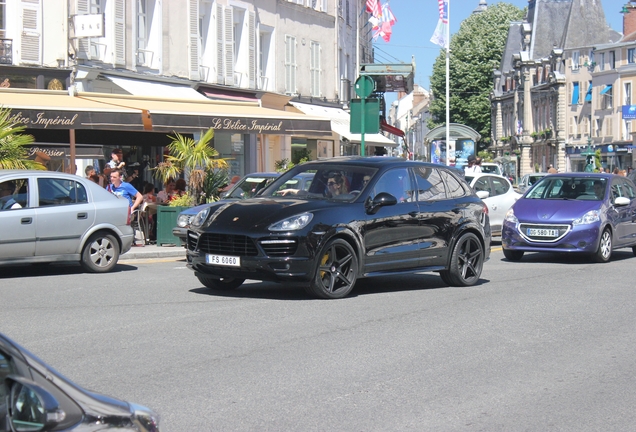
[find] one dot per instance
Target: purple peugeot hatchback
(573, 212)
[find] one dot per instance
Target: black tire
(513, 255)
(336, 272)
(100, 254)
(445, 275)
(467, 261)
(604, 251)
(223, 284)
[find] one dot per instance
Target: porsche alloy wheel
(336, 273)
(466, 263)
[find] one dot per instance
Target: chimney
(629, 18)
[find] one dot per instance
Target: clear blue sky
(416, 22)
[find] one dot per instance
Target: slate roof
(564, 24)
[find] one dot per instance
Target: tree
(13, 145)
(196, 158)
(475, 51)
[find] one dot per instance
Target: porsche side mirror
(380, 200)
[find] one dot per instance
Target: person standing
(116, 162)
(120, 188)
(472, 167)
(551, 169)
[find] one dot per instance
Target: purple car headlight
(510, 217)
(588, 218)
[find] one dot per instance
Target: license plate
(538, 232)
(223, 260)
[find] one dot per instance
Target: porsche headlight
(510, 217)
(588, 218)
(201, 217)
(184, 220)
(292, 223)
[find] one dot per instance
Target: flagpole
(448, 156)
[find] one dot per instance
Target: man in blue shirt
(120, 188)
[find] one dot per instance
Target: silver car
(50, 216)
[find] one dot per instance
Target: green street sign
(371, 116)
(364, 86)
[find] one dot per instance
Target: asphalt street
(543, 344)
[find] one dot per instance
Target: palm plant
(13, 145)
(195, 158)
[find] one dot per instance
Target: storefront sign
(169, 123)
(629, 112)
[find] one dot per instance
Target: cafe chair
(139, 224)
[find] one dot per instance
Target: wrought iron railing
(6, 51)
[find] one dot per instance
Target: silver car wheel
(100, 253)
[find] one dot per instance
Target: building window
(630, 55)
(612, 60)
(290, 65)
(627, 130)
(314, 68)
(607, 97)
(628, 94)
(347, 12)
(601, 64)
(599, 127)
(575, 93)
(575, 60)
(3, 18)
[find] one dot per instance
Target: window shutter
(293, 68)
(83, 49)
(31, 40)
(220, 58)
(120, 32)
(571, 126)
(194, 40)
(252, 48)
(229, 46)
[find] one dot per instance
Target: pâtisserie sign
(160, 122)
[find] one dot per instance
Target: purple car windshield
(569, 188)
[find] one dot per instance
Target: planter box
(166, 221)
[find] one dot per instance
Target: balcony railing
(6, 51)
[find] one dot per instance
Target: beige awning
(58, 110)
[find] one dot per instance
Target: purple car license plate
(541, 232)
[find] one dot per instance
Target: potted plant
(197, 160)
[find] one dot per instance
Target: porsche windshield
(330, 181)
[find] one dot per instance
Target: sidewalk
(153, 252)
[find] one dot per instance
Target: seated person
(599, 189)
(167, 193)
(336, 185)
(7, 199)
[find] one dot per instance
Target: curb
(137, 253)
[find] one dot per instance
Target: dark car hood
(542, 211)
(259, 213)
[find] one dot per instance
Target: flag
(384, 26)
(439, 37)
(373, 7)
